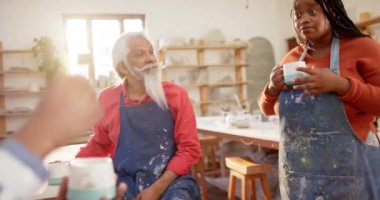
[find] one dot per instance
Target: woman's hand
(276, 83)
(321, 80)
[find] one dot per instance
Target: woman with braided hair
(329, 148)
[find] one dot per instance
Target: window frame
(88, 18)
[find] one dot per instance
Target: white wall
(23, 20)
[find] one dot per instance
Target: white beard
(153, 85)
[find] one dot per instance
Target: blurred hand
(276, 81)
(64, 185)
(321, 80)
(67, 109)
(71, 102)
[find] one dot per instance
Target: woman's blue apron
(146, 144)
(320, 155)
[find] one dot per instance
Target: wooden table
(265, 134)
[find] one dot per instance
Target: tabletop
(266, 134)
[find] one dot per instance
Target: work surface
(266, 134)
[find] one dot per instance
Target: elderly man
(148, 127)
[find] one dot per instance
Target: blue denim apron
(145, 146)
(320, 155)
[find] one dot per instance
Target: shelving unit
(7, 72)
(10, 73)
(19, 93)
(15, 114)
(200, 53)
(365, 22)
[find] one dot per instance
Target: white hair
(121, 49)
(150, 73)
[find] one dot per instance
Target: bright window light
(77, 44)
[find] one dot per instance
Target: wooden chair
(209, 146)
(207, 164)
(198, 173)
(247, 171)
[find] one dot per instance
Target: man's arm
(158, 188)
(185, 135)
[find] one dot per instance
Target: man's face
(143, 65)
(141, 53)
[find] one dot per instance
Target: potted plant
(46, 55)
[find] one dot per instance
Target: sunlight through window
(90, 40)
(77, 44)
(133, 25)
(105, 32)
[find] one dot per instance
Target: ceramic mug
(57, 170)
(290, 72)
(91, 178)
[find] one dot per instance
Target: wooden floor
(214, 193)
(217, 188)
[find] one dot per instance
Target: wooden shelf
(79, 140)
(188, 86)
(201, 63)
(228, 65)
(16, 69)
(15, 51)
(19, 93)
(166, 67)
(213, 85)
(21, 72)
(16, 114)
(204, 66)
(208, 47)
(223, 84)
(220, 102)
(3, 137)
(364, 24)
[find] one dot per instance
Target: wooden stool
(198, 173)
(209, 145)
(199, 170)
(246, 170)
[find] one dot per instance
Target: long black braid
(341, 24)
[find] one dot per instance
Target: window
(89, 41)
